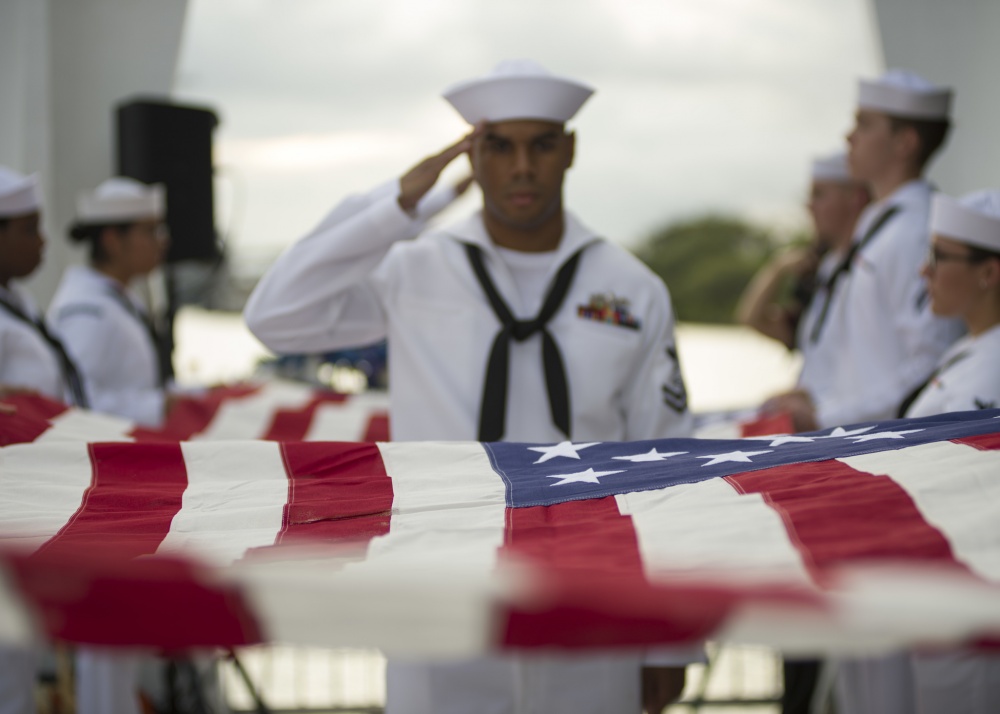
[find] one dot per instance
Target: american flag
(231, 527)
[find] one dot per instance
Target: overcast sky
(701, 105)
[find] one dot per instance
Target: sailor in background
(518, 323)
(103, 323)
(836, 200)
(109, 333)
(875, 321)
(963, 278)
(31, 358)
(783, 301)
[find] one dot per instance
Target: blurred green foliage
(706, 262)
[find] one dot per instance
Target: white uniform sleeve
(970, 400)
(98, 355)
(318, 296)
(143, 406)
(655, 397)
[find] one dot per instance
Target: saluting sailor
(103, 323)
(497, 329)
(836, 200)
(875, 323)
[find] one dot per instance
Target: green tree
(706, 262)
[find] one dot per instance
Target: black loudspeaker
(160, 142)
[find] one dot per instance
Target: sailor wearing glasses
(963, 280)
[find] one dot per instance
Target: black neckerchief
(493, 410)
(164, 368)
(912, 396)
(844, 267)
(71, 375)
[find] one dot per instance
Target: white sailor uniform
(816, 368)
(102, 326)
(882, 337)
(355, 280)
(967, 378)
(26, 358)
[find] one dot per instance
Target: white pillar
(64, 65)
(953, 44)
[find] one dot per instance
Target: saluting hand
(416, 182)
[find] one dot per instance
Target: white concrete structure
(952, 43)
(64, 65)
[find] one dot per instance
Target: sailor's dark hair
(91, 233)
(978, 254)
(931, 133)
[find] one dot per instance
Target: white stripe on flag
(40, 490)
(956, 488)
(248, 417)
(703, 527)
(445, 496)
(447, 524)
(81, 425)
(345, 421)
(447, 502)
(234, 500)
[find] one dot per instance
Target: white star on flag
(588, 476)
(841, 431)
(786, 439)
(884, 435)
(564, 448)
(651, 455)
(741, 456)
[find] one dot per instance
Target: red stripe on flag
(837, 515)
(336, 492)
(159, 602)
(192, 415)
(135, 492)
(592, 591)
(576, 535)
(293, 424)
(378, 428)
(30, 419)
(984, 442)
(768, 424)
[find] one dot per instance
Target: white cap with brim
(905, 94)
(974, 219)
(518, 89)
(119, 200)
(19, 194)
(832, 168)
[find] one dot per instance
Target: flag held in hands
(233, 526)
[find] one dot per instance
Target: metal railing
(299, 680)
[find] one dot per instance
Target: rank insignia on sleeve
(606, 308)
